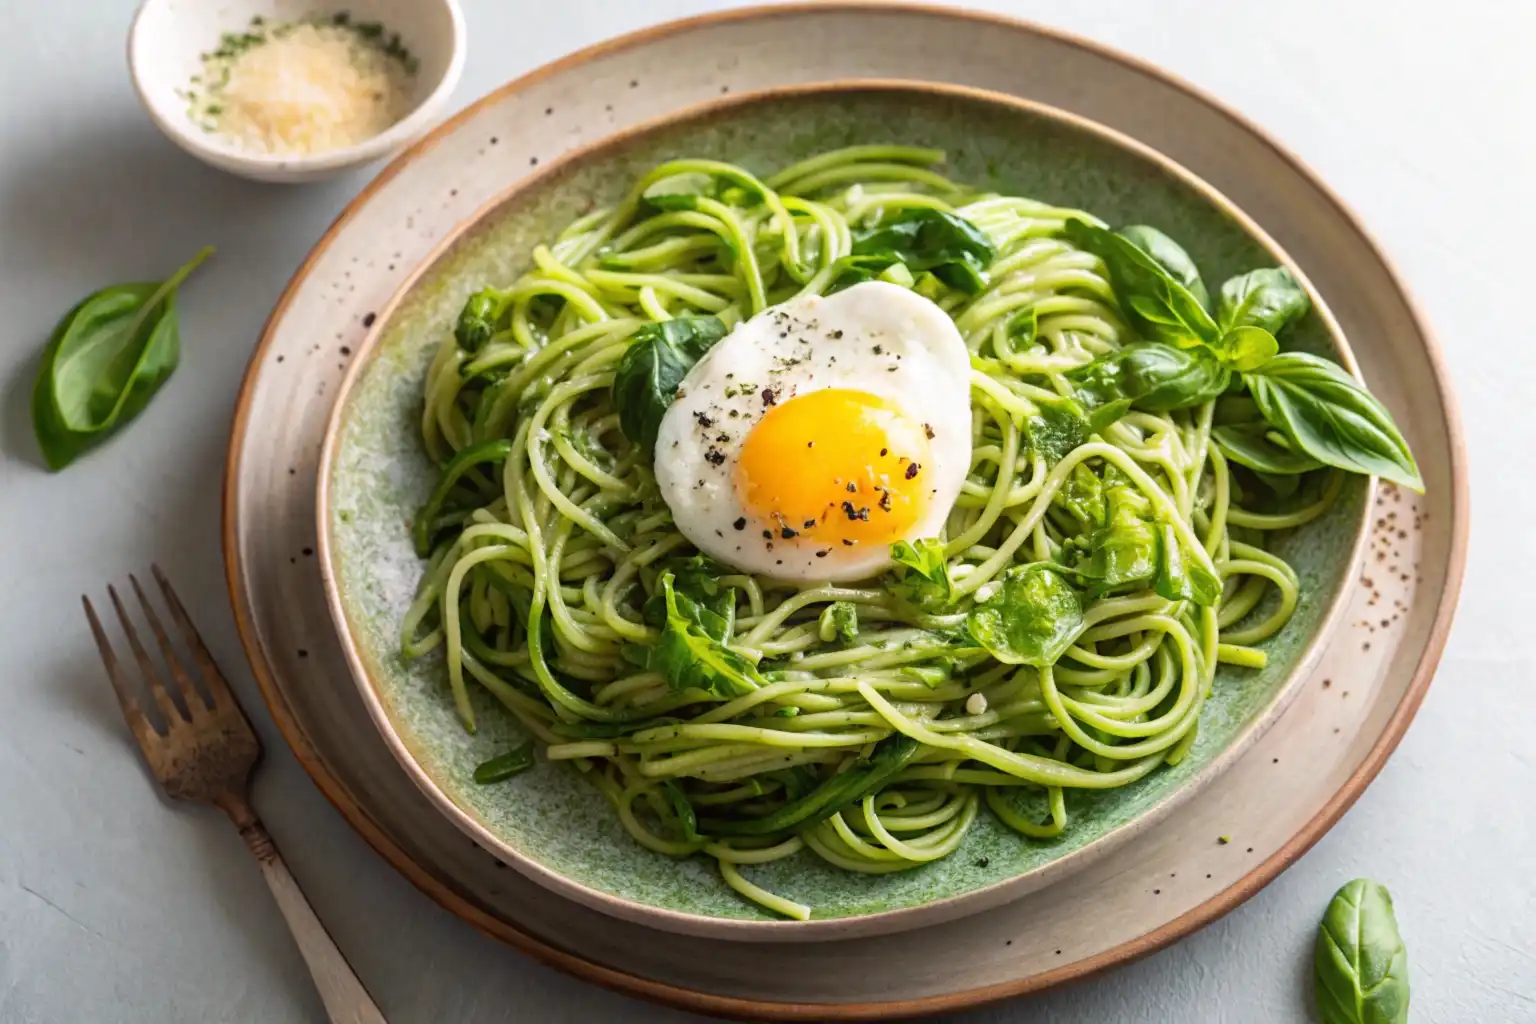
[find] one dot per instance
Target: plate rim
(365, 671)
(675, 995)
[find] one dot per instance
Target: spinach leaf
(1269, 298)
(106, 359)
(1184, 575)
(1169, 255)
(424, 527)
(951, 248)
(1158, 305)
(1082, 496)
(1149, 376)
(697, 580)
(851, 270)
(1360, 963)
(691, 651)
(504, 766)
(1032, 619)
(842, 790)
(1327, 414)
(658, 358)
(1056, 426)
(1259, 447)
(1124, 550)
(922, 576)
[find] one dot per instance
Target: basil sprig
(658, 358)
(107, 358)
(1316, 413)
(951, 248)
(1360, 964)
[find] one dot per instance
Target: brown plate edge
(674, 995)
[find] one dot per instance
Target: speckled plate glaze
(1274, 802)
(553, 825)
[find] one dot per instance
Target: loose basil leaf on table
(1159, 306)
(1269, 298)
(1149, 376)
(1259, 447)
(1360, 964)
(1032, 618)
(951, 248)
(1327, 414)
(658, 358)
(1169, 255)
(107, 358)
(922, 573)
(504, 766)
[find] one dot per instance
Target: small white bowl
(169, 37)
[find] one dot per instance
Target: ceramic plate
(1175, 877)
(551, 823)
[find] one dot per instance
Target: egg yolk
(836, 467)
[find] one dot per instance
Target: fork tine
(152, 676)
(138, 724)
(213, 680)
(190, 694)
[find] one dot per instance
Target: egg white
(875, 337)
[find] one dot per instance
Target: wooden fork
(203, 748)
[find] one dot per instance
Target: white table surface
(115, 907)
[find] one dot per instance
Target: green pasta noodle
(868, 729)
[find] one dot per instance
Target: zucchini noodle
(543, 559)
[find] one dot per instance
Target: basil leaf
(504, 766)
(951, 248)
(701, 596)
(1254, 445)
(1360, 964)
(1124, 550)
(851, 270)
(844, 789)
(1327, 414)
(1269, 298)
(1158, 306)
(658, 358)
(1031, 620)
(106, 359)
(1169, 255)
(1082, 496)
(1149, 376)
(424, 527)
(922, 578)
(1246, 348)
(691, 651)
(1057, 426)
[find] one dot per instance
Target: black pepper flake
(704, 420)
(884, 452)
(769, 398)
(789, 533)
(885, 501)
(807, 524)
(740, 523)
(715, 457)
(824, 553)
(734, 414)
(767, 535)
(722, 438)
(911, 470)
(857, 514)
(810, 444)
(836, 335)
(847, 543)
(853, 488)
(928, 430)
(878, 350)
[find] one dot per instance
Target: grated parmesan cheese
(303, 88)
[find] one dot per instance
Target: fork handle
(346, 1000)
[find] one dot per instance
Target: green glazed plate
(554, 826)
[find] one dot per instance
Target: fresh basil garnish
(1268, 298)
(1259, 447)
(1033, 617)
(1327, 414)
(922, 573)
(691, 651)
(951, 248)
(1159, 306)
(1360, 964)
(1169, 255)
(107, 358)
(1149, 376)
(1055, 427)
(658, 358)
